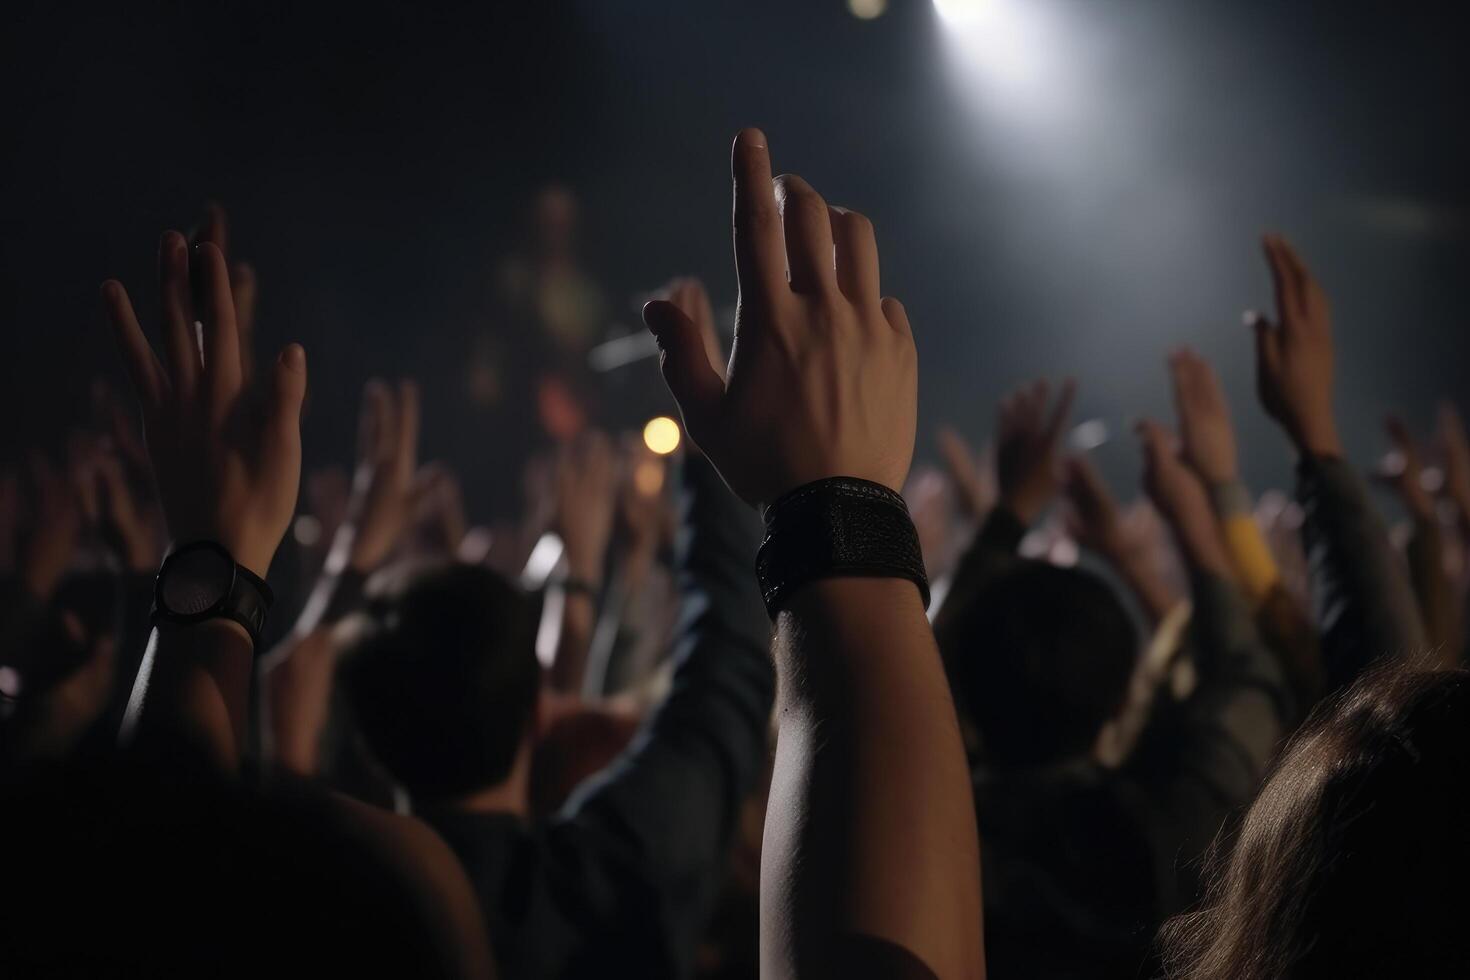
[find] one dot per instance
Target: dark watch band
(245, 598)
(837, 528)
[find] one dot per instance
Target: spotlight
(964, 11)
(661, 435)
(867, 9)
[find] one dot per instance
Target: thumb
(288, 392)
(685, 362)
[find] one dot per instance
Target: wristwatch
(202, 581)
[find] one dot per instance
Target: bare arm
(870, 830)
(223, 474)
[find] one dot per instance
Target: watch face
(196, 581)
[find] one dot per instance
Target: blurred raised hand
(1454, 451)
(1028, 437)
(1294, 355)
(225, 471)
(1206, 435)
(972, 474)
(52, 522)
(1180, 495)
(1402, 469)
(1126, 538)
(385, 490)
(586, 494)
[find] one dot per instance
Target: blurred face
(556, 219)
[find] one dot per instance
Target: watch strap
(247, 601)
(837, 528)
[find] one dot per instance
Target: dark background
(379, 159)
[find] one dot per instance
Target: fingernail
(752, 137)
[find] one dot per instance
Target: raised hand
(1028, 435)
(1294, 355)
(384, 490)
(1454, 451)
(586, 497)
(1131, 540)
(1403, 469)
(223, 473)
(1093, 518)
(822, 379)
(120, 517)
(1180, 495)
(1204, 419)
(973, 477)
(55, 521)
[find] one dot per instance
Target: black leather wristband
(837, 528)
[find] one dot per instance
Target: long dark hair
(1354, 859)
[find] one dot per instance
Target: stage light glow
(661, 435)
(964, 11)
(867, 9)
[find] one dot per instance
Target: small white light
(867, 9)
(1088, 435)
(661, 435)
(308, 531)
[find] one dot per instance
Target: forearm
(192, 692)
(994, 546)
(1364, 604)
(870, 801)
(1436, 595)
(573, 641)
(1155, 594)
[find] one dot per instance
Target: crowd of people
(775, 705)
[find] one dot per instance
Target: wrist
(1318, 439)
(583, 567)
(1021, 506)
(837, 528)
(1230, 498)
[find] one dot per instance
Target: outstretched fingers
(150, 383)
(180, 343)
(856, 255)
(281, 440)
(684, 359)
(223, 378)
(760, 250)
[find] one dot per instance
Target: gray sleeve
(1361, 597)
(1208, 760)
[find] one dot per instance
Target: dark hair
(1354, 858)
(443, 682)
(1040, 659)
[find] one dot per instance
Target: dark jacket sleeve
(657, 824)
(994, 548)
(1361, 596)
(1206, 759)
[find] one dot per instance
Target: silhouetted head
(1354, 858)
(1039, 661)
(444, 679)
